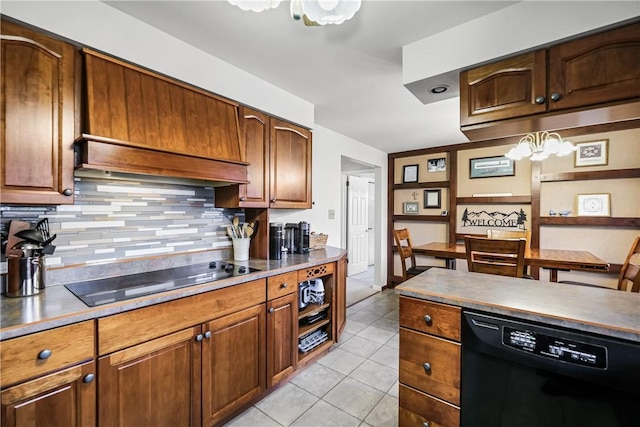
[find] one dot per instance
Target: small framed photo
(437, 165)
(489, 167)
(594, 205)
(592, 153)
(410, 173)
(432, 198)
(410, 208)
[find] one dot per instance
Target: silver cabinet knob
(426, 424)
(272, 310)
(88, 378)
(428, 320)
(555, 96)
(427, 368)
(242, 199)
(199, 337)
(284, 285)
(540, 100)
(67, 192)
(207, 334)
(45, 354)
(273, 200)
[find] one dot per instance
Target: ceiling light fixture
(313, 12)
(540, 145)
(439, 89)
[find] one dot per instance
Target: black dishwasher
(520, 374)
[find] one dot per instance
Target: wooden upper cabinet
(584, 73)
(596, 69)
(290, 172)
(38, 111)
(510, 88)
(132, 106)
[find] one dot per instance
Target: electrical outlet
(332, 214)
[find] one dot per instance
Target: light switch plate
(332, 214)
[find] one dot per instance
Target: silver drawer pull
(427, 319)
(45, 354)
(284, 285)
(427, 368)
(88, 378)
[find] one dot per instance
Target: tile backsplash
(114, 220)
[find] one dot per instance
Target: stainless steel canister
(26, 276)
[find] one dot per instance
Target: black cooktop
(105, 291)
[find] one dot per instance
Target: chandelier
(540, 145)
(313, 12)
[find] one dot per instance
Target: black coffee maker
(302, 237)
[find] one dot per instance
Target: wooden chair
(405, 250)
(504, 257)
(513, 234)
(629, 277)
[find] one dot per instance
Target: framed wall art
(432, 198)
(488, 167)
(592, 153)
(437, 165)
(594, 204)
(410, 208)
(409, 173)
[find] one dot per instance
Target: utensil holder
(241, 249)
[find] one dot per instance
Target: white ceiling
(352, 72)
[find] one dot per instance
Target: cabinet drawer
(133, 327)
(314, 272)
(282, 284)
(68, 345)
(417, 409)
(431, 317)
(430, 364)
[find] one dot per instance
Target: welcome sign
(494, 219)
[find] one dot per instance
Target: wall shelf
(421, 185)
(434, 218)
(591, 175)
(501, 200)
(591, 221)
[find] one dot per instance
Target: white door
(358, 211)
(371, 222)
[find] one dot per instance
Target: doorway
(360, 229)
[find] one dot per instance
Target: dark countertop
(57, 306)
(606, 312)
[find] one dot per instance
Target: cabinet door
(290, 166)
(506, 89)
(233, 363)
(282, 338)
(254, 127)
(151, 384)
(601, 68)
(340, 304)
(63, 399)
(38, 111)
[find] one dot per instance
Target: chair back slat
(504, 257)
(405, 250)
(629, 279)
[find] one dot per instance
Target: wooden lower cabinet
(430, 364)
(233, 363)
(151, 384)
(282, 338)
(422, 410)
(66, 398)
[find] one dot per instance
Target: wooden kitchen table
(551, 259)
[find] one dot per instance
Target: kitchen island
(465, 336)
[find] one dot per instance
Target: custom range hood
(137, 121)
(102, 159)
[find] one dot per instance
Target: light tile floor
(359, 286)
(355, 384)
